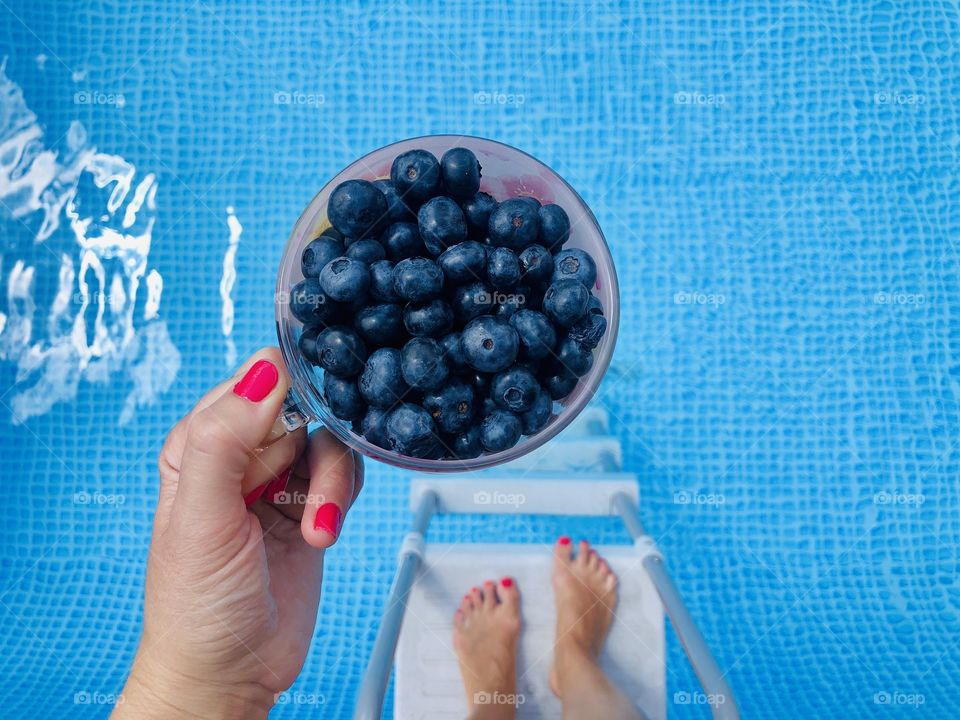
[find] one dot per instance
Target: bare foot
(585, 589)
(485, 632)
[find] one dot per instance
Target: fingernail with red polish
(276, 486)
(260, 379)
(254, 495)
(564, 540)
(506, 582)
(328, 518)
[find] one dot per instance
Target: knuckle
(209, 433)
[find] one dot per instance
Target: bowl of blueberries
(445, 303)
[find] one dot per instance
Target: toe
(489, 594)
(583, 553)
(563, 549)
(593, 560)
(476, 595)
(508, 593)
(458, 617)
(466, 605)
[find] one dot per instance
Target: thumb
(222, 437)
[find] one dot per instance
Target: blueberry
(381, 281)
(431, 318)
(477, 211)
(536, 418)
(308, 302)
(332, 232)
(452, 351)
(381, 382)
(489, 345)
(554, 227)
(531, 201)
(509, 303)
(374, 427)
(381, 325)
(480, 382)
(340, 351)
(573, 358)
(441, 224)
(536, 334)
(416, 176)
(588, 330)
(397, 210)
(536, 264)
(514, 224)
(318, 253)
(343, 397)
(417, 279)
(357, 209)
(503, 268)
(460, 171)
(558, 385)
(514, 389)
(467, 445)
(402, 241)
(500, 430)
(366, 251)
(411, 431)
(345, 279)
(463, 262)
(423, 364)
(595, 307)
(566, 301)
(471, 301)
(576, 264)
(307, 342)
(452, 407)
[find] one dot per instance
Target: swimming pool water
(777, 182)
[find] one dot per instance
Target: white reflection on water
(227, 281)
(97, 326)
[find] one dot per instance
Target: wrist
(155, 692)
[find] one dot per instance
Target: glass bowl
(506, 172)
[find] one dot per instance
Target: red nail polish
(276, 486)
(328, 518)
(475, 589)
(564, 540)
(254, 495)
(260, 379)
(506, 582)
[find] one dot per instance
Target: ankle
(571, 662)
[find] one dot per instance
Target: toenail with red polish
(564, 540)
(506, 582)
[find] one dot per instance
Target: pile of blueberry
(446, 323)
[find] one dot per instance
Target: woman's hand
(233, 578)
